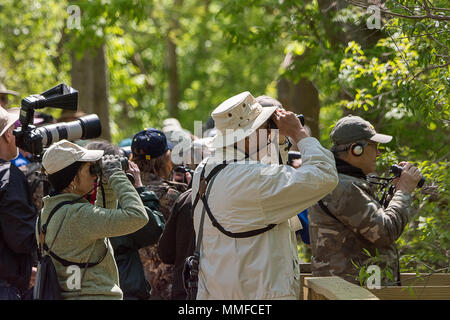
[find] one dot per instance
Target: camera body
(397, 171)
(181, 169)
(34, 140)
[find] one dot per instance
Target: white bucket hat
(8, 118)
(63, 153)
(171, 124)
(238, 117)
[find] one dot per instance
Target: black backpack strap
(191, 266)
(325, 209)
(43, 246)
(42, 230)
(201, 194)
(211, 175)
(245, 234)
(213, 172)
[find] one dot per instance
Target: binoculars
(397, 171)
(301, 118)
(96, 169)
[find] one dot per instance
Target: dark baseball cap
(150, 142)
(353, 128)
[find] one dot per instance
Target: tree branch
(387, 12)
(431, 68)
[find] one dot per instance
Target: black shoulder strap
(325, 209)
(245, 234)
(43, 246)
(213, 172)
(215, 223)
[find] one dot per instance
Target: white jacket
(249, 196)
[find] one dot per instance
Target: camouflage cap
(353, 128)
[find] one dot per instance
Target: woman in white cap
(76, 236)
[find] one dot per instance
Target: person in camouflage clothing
(151, 152)
(349, 228)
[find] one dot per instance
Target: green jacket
(131, 273)
(84, 229)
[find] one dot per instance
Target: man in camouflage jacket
(349, 228)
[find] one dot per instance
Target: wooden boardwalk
(425, 287)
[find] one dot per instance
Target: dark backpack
(46, 286)
(47, 283)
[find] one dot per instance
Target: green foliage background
(397, 77)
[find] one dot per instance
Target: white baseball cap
(64, 153)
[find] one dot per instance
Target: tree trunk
(171, 60)
(90, 77)
(174, 87)
(301, 97)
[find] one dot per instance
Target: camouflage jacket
(158, 274)
(357, 222)
(167, 191)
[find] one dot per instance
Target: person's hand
(409, 178)
(110, 164)
(281, 138)
(188, 177)
(33, 276)
(289, 125)
(136, 173)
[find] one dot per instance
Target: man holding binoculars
(349, 223)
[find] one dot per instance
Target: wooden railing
(334, 288)
(424, 287)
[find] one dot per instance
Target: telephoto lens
(397, 171)
(86, 127)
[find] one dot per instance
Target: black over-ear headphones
(357, 149)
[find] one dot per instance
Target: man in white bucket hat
(248, 248)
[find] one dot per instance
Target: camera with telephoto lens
(34, 140)
(397, 171)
